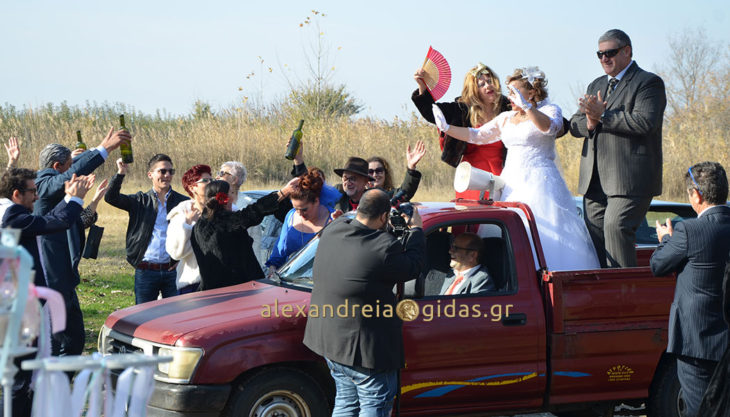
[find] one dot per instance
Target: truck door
(475, 351)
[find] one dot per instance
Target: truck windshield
(298, 270)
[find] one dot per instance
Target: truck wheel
(664, 390)
(282, 392)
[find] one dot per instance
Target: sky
(165, 55)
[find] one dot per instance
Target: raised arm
(487, 133)
(113, 194)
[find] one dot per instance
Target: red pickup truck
(567, 342)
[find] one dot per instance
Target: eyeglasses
(347, 178)
(610, 53)
(224, 173)
(460, 247)
(489, 81)
(204, 180)
(164, 171)
(376, 171)
(697, 186)
(31, 190)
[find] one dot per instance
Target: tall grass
(258, 140)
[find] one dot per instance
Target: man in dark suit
(697, 249)
(18, 193)
(62, 250)
(620, 118)
(357, 264)
(468, 276)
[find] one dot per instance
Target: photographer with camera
(357, 264)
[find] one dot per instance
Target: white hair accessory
(532, 74)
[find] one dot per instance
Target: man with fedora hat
(355, 179)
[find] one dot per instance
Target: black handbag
(93, 239)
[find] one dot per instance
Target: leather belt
(156, 267)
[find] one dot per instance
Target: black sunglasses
(610, 53)
(164, 171)
(376, 171)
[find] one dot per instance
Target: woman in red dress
(480, 101)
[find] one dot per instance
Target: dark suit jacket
(142, 208)
(479, 281)
(698, 250)
(358, 265)
(62, 250)
(59, 219)
(627, 144)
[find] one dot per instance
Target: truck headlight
(184, 362)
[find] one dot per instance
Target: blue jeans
(148, 284)
(361, 391)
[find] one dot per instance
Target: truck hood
(253, 308)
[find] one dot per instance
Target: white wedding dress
(532, 177)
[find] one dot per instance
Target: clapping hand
(78, 186)
(440, 119)
(593, 107)
(415, 155)
(100, 191)
(518, 100)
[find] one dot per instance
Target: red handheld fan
(438, 74)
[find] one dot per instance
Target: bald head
(373, 204)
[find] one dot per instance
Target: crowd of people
(207, 239)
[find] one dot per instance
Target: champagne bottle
(295, 142)
(125, 148)
(80, 142)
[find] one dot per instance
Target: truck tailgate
(609, 329)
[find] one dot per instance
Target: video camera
(397, 224)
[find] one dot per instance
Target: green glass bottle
(126, 148)
(295, 142)
(80, 142)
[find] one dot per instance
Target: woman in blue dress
(310, 213)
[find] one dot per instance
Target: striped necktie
(611, 86)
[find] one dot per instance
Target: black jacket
(60, 218)
(359, 265)
(142, 208)
(223, 247)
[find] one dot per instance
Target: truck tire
(664, 390)
(280, 392)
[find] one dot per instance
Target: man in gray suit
(697, 249)
(620, 118)
(468, 277)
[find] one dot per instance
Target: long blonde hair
(470, 96)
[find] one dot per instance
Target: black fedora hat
(356, 166)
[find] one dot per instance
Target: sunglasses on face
(697, 186)
(164, 171)
(204, 180)
(461, 248)
(376, 171)
(224, 173)
(610, 53)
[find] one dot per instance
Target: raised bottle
(295, 142)
(125, 148)
(80, 142)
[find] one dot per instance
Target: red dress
(487, 157)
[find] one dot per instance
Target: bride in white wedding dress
(530, 173)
